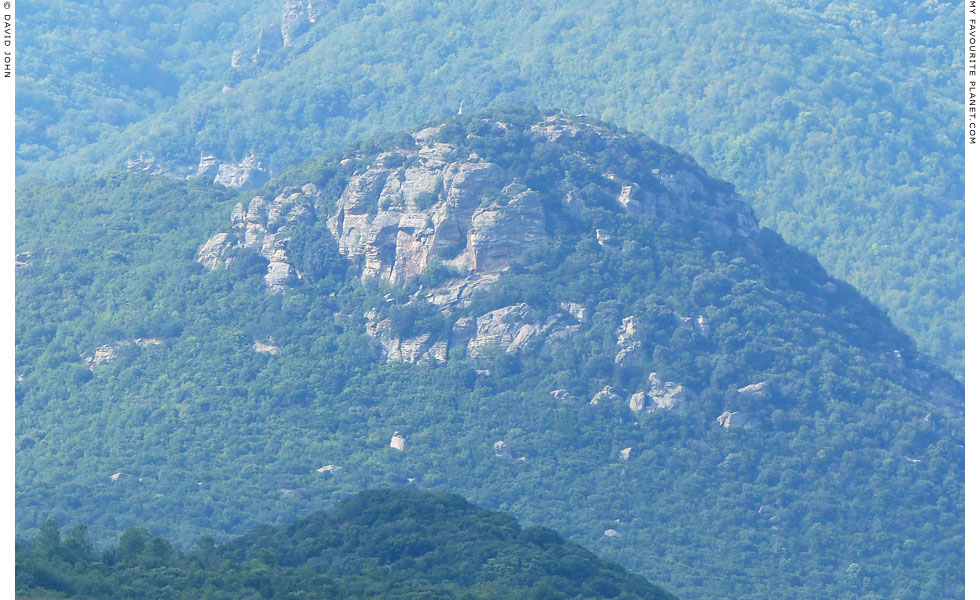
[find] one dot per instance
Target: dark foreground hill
(391, 544)
(554, 317)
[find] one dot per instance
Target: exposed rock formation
(424, 205)
(756, 392)
(667, 394)
(729, 419)
(501, 450)
(704, 326)
(509, 329)
(581, 312)
(207, 167)
(661, 395)
(606, 394)
(397, 442)
(263, 227)
(266, 347)
(560, 395)
(148, 163)
(630, 351)
(625, 453)
(297, 16)
(626, 332)
(109, 352)
(396, 221)
(248, 174)
(102, 355)
(329, 469)
(413, 349)
(631, 355)
(512, 328)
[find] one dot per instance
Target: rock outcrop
(501, 450)
(580, 312)
(429, 206)
(704, 326)
(247, 174)
(626, 332)
(207, 167)
(667, 394)
(638, 402)
(109, 352)
(660, 395)
(412, 349)
(730, 419)
(560, 395)
(606, 394)
(263, 227)
(397, 442)
(512, 328)
(266, 347)
(297, 16)
(755, 392)
(631, 355)
(508, 329)
(396, 221)
(149, 164)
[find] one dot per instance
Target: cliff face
(394, 222)
(263, 226)
(433, 202)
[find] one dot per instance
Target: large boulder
(661, 395)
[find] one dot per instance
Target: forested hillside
(836, 120)
(544, 313)
(391, 544)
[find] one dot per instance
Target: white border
(972, 165)
(8, 433)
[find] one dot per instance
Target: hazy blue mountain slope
(89, 69)
(670, 385)
(392, 544)
(845, 139)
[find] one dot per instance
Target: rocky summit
(428, 204)
(441, 216)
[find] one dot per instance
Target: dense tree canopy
(390, 544)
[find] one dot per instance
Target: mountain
(547, 314)
(846, 140)
(392, 544)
